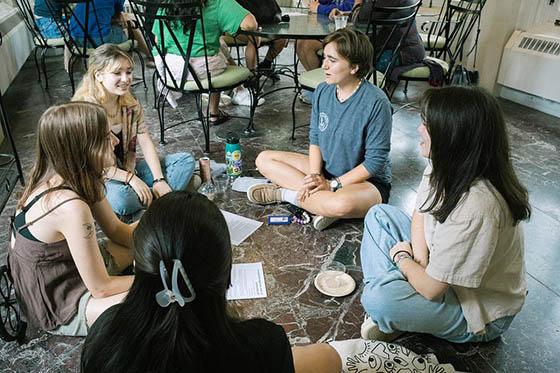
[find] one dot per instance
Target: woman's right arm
(78, 228)
(117, 174)
(418, 240)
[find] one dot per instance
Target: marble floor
(292, 255)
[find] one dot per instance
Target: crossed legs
(288, 169)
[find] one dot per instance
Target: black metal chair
(12, 327)
(42, 43)
(81, 48)
(163, 35)
(448, 36)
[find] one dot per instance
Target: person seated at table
(456, 270)
(45, 17)
(412, 48)
(130, 185)
(63, 278)
(308, 50)
(347, 169)
(106, 24)
(220, 16)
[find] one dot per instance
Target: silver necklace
(350, 95)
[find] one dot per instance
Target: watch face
(334, 184)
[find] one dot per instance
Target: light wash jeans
(177, 168)
(389, 299)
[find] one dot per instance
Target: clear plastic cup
(340, 21)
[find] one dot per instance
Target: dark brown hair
(354, 46)
(469, 142)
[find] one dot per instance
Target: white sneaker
(370, 330)
(321, 222)
(225, 100)
(242, 97)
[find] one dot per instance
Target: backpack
(265, 11)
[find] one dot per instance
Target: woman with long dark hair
(175, 317)
(456, 270)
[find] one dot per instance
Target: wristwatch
(335, 184)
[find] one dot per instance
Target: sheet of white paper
(241, 184)
(247, 282)
(240, 227)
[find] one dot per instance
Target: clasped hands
(312, 183)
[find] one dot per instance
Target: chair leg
(160, 107)
(44, 67)
(71, 62)
(298, 91)
(254, 101)
(154, 87)
(406, 84)
(205, 121)
(37, 64)
(143, 66)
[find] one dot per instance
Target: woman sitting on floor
(175, 316)
(456, 270)
(347, 170)
(63, 278)
(220, 17)
(130, 184)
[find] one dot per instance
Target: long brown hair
(72, 142)
(106, 57)
(469, 142)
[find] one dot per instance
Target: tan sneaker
(370, 330)
(264, 194)
(321, 222)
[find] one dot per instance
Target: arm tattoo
(88, 230)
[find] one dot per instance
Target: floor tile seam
(543, 284)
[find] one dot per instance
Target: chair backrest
(388, 27)
(462, 16)
(26, 10)
(75, 26)
(161, 24)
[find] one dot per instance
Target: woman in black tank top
(54, 245)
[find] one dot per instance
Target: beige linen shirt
(479, 252)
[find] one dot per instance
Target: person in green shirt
(220, 16)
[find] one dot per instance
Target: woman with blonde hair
(131, 185)
(63, 278)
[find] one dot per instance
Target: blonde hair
(72, 142)
(106, 57)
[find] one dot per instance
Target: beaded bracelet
(304, 219)
(159, 179)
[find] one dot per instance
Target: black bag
(265, 11)
(462, 76)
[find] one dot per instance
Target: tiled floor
(292, 255)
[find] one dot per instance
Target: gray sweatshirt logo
(323, 121)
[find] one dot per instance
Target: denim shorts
(115, 36)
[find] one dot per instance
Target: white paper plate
(334, 283)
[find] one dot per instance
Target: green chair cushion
(232, 76)
(424, 72)
(312, 78)
(435, 42)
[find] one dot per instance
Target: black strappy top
(20, 224)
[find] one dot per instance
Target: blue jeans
(48, 28)
(115, 36)
(389, 299)
(177, 168)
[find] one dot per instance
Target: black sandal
(219, 118)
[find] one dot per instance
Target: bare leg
(95, 307)
(316, 358)
(307, 53)
(352, 201)
(214, 102)
(250, 50)
(286, 169)
(274, 50)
